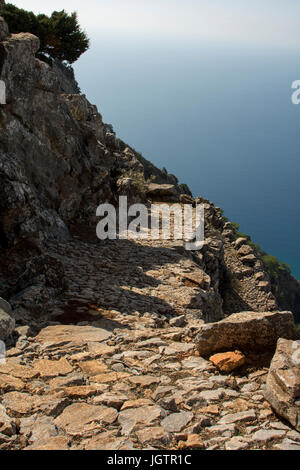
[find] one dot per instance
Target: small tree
(65, 40)
(60, 34)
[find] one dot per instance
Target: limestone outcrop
(161, 192)
(246, 331)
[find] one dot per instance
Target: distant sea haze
(219, 117)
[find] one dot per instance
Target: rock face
(7, 323)
(65, 74)
(247, 331)
(58, 160)
(283, 382)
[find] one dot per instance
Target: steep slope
(59, 161)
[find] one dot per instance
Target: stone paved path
(115, 366)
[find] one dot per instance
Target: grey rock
(143, 416)
(266, 435)
(236, 443)
(224, 429)
(202, 422)
(162, 391)
(66, 77)
(246, 331)
(241, 417)
(198, 363)
(168, 404)
(212, 395)
(175, 422)
(162, 192)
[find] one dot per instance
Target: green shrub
(274, 267)
(60, 34)
(235, 225)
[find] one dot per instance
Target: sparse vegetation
(274, 267)
(137, 181)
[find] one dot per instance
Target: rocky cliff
(104, 337)
(59, 161)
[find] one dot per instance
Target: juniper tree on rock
(60, 34)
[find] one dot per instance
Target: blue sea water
(219, 116)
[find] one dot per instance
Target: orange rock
(193, 441)
(79, 419)
(47, 368)
(17, 370)
(81, 391)
(229, 361)
(52, 443)
(238, 405)
(144, 380)
(93, 367)
(109, 377)
(8, 383)
(72, 334)
(211, 410)
(136, 403)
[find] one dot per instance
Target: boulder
(193, 442)
(283, 381)
(162, 191)
(246, 331)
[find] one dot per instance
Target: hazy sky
(259, 22)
